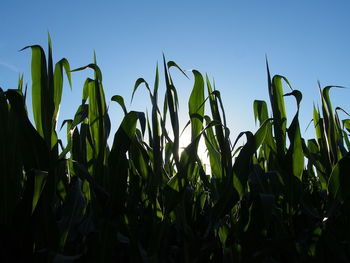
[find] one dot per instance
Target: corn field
(277, 198)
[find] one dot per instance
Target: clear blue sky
(304, 40)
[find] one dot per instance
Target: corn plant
(278, 197)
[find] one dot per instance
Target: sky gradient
(305, 41)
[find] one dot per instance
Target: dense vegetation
(277, 198)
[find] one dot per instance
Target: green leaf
(39, 87)
(171, 103)
(57, 96)
(117, 161)
(340, 180)
(93, 66)
(213, 150)
(34, 150)
(298, 96)
(138, 82)
(119, 99)
(195, 105)
(260, 111)
(279, 112)
(39, 184)
(346, 124)
(173, 64)
(296, 149)
(99, 122)
(156, 138)
(221, 133)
